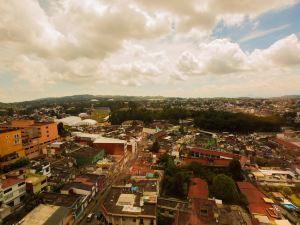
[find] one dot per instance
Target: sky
(194, 48)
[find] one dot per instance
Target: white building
(12, 191)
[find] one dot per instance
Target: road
(94, 206)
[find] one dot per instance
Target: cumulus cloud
(132, 42)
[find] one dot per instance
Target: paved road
(94, 206)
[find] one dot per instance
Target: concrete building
(133, 204)
(48, 215)
(13, 191)
(73, 202)
(35, 136)
(11, 148)
(36, 183)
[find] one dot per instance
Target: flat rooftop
(46, 215)
(110, 203)
(60, 199)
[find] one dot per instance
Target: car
(90, 217)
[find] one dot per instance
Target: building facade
(35, 136)
(11, 148)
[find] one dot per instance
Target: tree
(287, 191)
(61, 130)
(155, 146)
(224, 188)
(236, 170)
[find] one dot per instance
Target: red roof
(207, 162)
(216, 153)
(198, 189)
(256, 205)
(285, 144)
(10, 182)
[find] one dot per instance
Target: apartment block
(35, 136)
(11, 148)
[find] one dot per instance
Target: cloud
(131, 43)
(262, 33)
(284, 53)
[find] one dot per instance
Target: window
(204, 212)
(20, 184)
(7, 190)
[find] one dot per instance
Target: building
(99, 181)
(260, 206)
(48, 215)
(35, 136)
(73, 202)
(11, 148)
(275, 177)
(212, 158)
(13, 191)
(87, 156)
(133, 204)
(36, 183)
(111, 146)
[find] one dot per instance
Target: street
(94, 206)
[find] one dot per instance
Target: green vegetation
(235, 169)
(61, 130)
(295, 199)
(176, 180)
(224, 188)
(235, 122)
(99, 114)
(209, 120)
(18, 164)
(155, 146)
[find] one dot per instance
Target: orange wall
(7, 142)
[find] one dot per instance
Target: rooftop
(60, 199)
(46, 215)
(198, 189)
(111, 204)
(10, 182)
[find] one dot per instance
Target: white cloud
(131, 43)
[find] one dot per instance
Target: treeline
(219, 121)
(236, 122)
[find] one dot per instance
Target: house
(87, 156)
(48, 214)
(36, 183)
(13, 191)
(131, 204)
(73, 202)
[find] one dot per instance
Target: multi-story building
(36, 183)
(13, 191)
(133, 204)
(11, 148)
(34, 135)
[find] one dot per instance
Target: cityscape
(137, 112)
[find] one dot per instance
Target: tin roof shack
(99, 181)
(73, 202)
(48, 215)
(131, 204)
(63, 171)
(87, 155)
